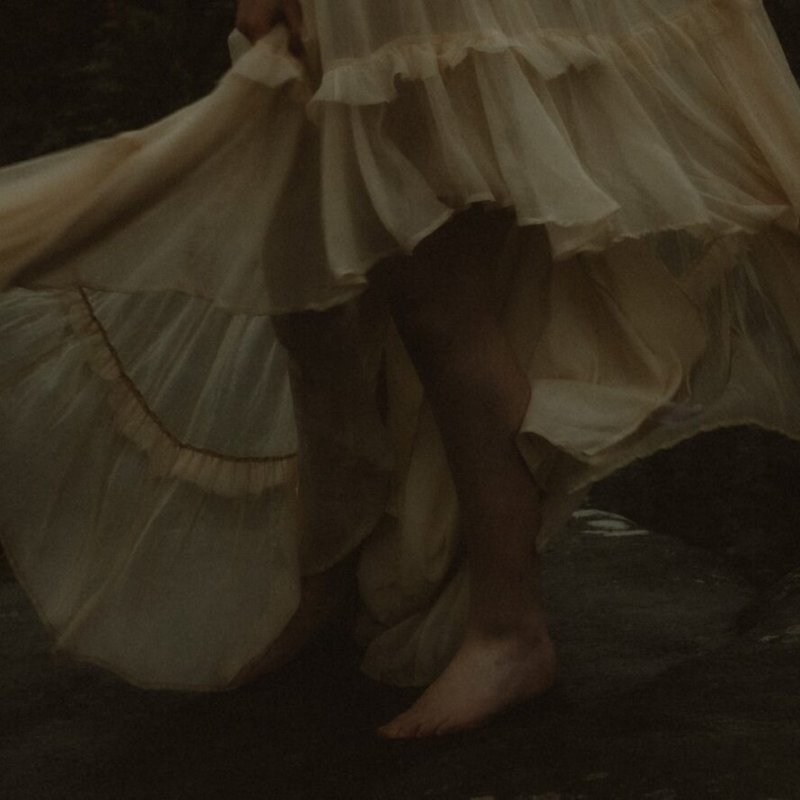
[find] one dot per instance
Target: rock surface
(679, 680)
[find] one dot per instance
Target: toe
(408, 725)
(388, 731)
(397, 728)
(443, 728)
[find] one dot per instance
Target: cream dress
(650, 152)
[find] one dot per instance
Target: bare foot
(486, 676)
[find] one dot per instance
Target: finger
(293, 16)
(254, 28)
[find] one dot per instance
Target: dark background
(72, 70)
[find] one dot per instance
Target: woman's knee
(428, 308)
(449, 276)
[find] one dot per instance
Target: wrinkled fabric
(152, 502)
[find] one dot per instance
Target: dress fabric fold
(154, 505)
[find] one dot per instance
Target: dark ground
(680, 646)
(679, 680)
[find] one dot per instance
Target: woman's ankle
(506, 620)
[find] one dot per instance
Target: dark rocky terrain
(680, 680)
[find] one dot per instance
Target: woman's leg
(344, 453)
(445, 307)
(344, 457)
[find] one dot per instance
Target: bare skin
(446, 309)
(255, 18)
(443, 303)
(486, 676)
(344, 473)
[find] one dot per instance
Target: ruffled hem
(373, 78)
(655, 130)
(169, 457)
(654, 135)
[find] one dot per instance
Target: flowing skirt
(151, 502)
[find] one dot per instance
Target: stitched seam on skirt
(91, 328)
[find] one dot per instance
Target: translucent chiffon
(152, 502)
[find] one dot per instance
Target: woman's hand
(256, 18)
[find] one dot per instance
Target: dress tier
(650, 153)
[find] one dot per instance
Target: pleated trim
(169, 457)
(599, 157)
(372, 79)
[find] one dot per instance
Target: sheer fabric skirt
(152, 502)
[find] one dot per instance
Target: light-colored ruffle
(659, 127)
(150, 498)
(549, 39)
(152, 506)
(652, 135)
(132, 563)
(156, 430)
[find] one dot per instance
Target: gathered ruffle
(651, 136)
(650, 125)
(656, 129)
(222, 472)
(372, 78)
(139, 555)
(151, 506)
